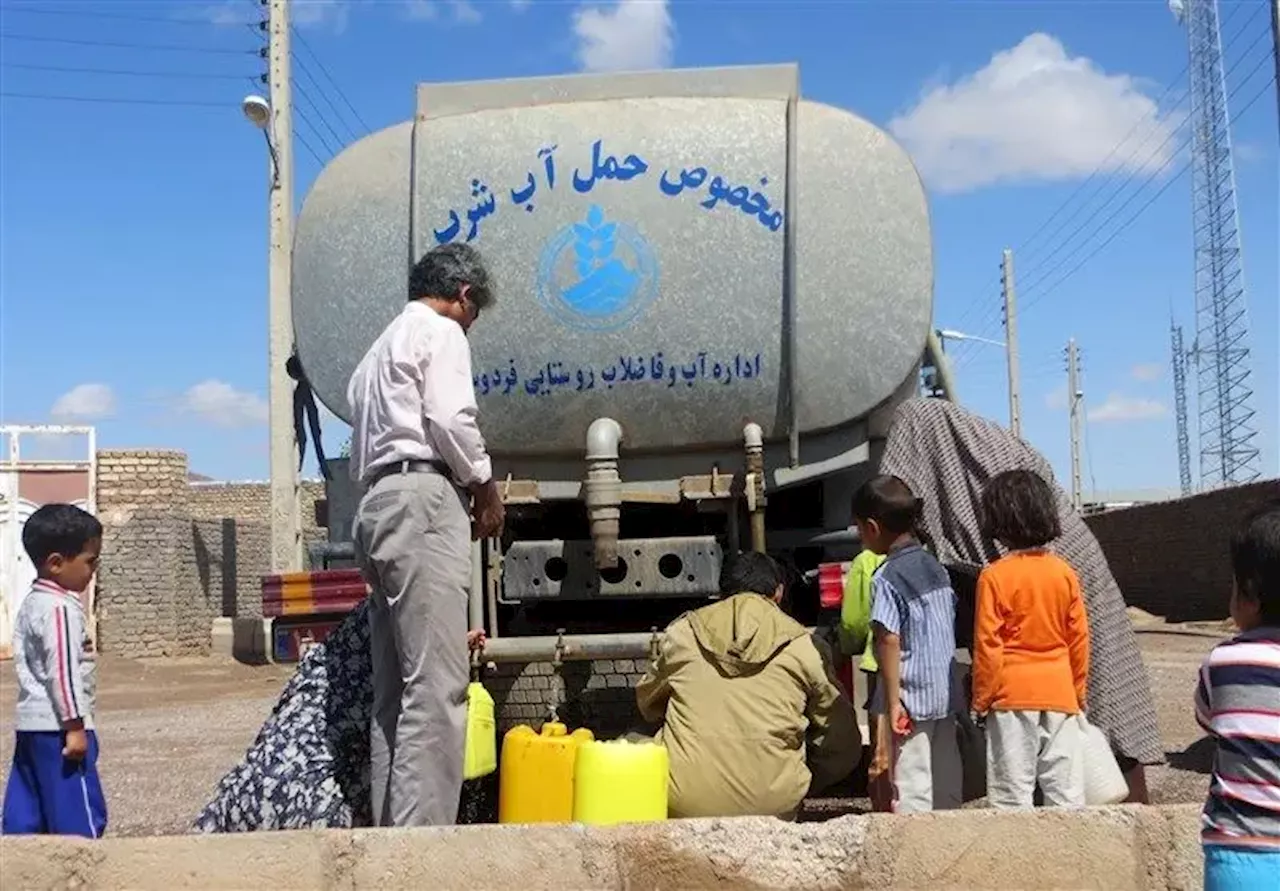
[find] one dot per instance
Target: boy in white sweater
(53, 785)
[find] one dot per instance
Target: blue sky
(134, 235)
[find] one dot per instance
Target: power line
(132, 72)
(302, 113)
(302, 68)
(118, 16)
(186, 48)
(1153, 114)
(1181, 172)
(1046, 291)
(325, 71)
(109, 100)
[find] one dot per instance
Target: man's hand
(899, 720)
(476, 639)
(488, 514)
(75, 745)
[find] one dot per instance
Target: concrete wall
(1172, 558)
(1125, 849)
(178, 554)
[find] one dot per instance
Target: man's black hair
(890, 502)
(750, 572)
(443, 271)
(1018, 509)
(1255, 561)
(62, 529)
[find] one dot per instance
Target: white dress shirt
(412, 399)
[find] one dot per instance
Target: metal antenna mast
(1180, 407)
(1228, 451)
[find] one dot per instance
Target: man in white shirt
(417, 452)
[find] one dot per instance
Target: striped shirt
(911, 597)
(53, 658)
(1238, 703)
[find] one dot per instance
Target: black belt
(394, 467)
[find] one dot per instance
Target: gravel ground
(170, 729)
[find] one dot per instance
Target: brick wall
(1172, 558)
(599, 695)
(177, 554)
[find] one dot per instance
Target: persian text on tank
(606, 167)
(556, 376)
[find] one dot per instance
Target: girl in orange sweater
(1030, 650)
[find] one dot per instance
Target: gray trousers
(412, 535)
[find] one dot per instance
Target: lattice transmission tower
(1180, 407)
(1228, 451)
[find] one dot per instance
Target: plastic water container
(1103, 781)
(620, 782)
(536, 783)
(481, 751)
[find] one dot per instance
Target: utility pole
(1076, 397)
(1275, 45)
(286, 518)
(1011, 343)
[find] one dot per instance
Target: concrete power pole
(1275, 45)
(1011, 343)
(1075, 397)
(286, 518)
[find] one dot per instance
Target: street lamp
(945, 334)
(258, 112)
(1015, 422)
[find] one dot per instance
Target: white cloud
(222, 405)
(520, 5)
(464, 12)
(83, 403)
(627, 35)
(1147, 372)
(1120, 408)
(302, 13)
(421, 10)
(1056, 399)
(1033, 113)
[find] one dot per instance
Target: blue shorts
(1240, 869)
(50, 795)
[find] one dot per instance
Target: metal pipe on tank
(570, 649)
(753, 436)
(603, 489)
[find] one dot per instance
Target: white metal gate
(26, 482)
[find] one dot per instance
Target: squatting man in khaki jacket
(752, 716)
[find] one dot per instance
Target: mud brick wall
(250, 502)
(176, 555)
(1172, 558)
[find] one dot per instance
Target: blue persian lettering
(556, 376)
(607, 168)
(752, 203)
(748, 200)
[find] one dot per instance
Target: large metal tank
(638, 228)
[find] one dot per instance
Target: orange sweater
(1031, 636)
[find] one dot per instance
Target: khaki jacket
(744, 694)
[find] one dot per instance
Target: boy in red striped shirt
(53, 784)
(1238, 704)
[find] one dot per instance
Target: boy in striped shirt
(1238, 703)
(53, 784)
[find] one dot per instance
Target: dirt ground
(170, 729)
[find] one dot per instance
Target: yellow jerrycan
(480, 756)
(536, 782)
(620, 782)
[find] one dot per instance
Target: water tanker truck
(711, 294)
